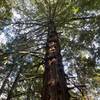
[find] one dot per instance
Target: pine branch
(33, 77)
(77, 86)
(84, 18)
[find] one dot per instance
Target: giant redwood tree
(54, 82)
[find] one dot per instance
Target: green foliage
(80, 43)
(5, 10)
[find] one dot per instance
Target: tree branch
(84, 18)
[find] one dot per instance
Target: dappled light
(49, 49)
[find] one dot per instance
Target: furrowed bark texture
(54, 83)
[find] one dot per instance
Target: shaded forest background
(23, 37)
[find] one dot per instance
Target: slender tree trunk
(5, 81)
(14, 84)
(54, 83)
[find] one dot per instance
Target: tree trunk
(54, 83)
(14, 84)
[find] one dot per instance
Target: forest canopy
(49, 49)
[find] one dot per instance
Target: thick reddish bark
(54, 83)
